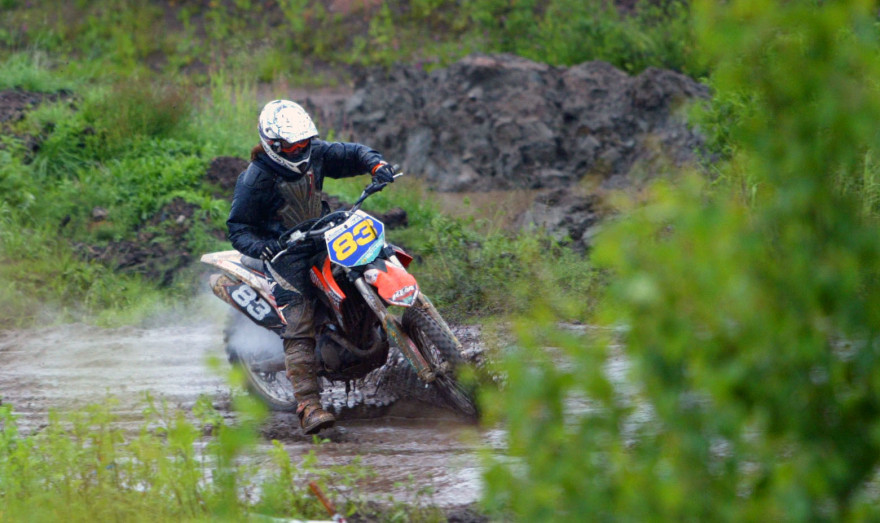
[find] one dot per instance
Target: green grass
(178, 466)
(32, 71)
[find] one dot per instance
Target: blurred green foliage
(734, 371)
(297, 39)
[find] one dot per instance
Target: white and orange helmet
(286, 132)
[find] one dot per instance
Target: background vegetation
(317, 42)
(151, 92)
(732, 374)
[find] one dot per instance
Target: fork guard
(395, 332)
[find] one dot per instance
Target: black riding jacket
(256, 201)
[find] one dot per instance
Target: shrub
(746, 328)
(566, 32)
(132, 111)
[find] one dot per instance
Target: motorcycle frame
(235, 272)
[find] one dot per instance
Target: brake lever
(374, 188)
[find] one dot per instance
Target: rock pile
(504, 122)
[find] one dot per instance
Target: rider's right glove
(270, 249)
(383, 173)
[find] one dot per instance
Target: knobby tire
(438, 347)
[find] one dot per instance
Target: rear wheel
(441, 352)
(259, 353)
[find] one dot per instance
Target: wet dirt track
(410, 447)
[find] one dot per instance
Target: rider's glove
(270, 249)
(383, 173)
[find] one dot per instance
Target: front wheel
(442, 353)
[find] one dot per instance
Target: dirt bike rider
(280, 189)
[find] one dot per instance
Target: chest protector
(301, 200)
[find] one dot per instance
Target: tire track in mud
(410, 446)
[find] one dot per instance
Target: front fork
(426, 304)
(395, 332)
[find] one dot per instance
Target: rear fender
(242, 296)
(230, 263)
(392, 282)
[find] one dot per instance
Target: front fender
(392, 282)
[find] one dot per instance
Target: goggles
(292, 148)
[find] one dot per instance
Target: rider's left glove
(383, 173)
(270, 249)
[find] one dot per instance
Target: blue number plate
(357, 241)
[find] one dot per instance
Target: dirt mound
(15, 103)
(223, 172)
(160, 248)
(504, 122)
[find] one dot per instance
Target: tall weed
(474, 275)
(134, 110)
(225, 121)
(31, 71)
(83, 467)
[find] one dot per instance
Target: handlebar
(373, 188)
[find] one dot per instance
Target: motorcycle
(362, 284)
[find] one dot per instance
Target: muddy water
(411, 447)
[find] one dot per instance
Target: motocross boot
(299, 358)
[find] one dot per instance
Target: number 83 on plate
(357, 241)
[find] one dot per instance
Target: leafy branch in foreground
(734, 376)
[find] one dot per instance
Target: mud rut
(409, 444)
